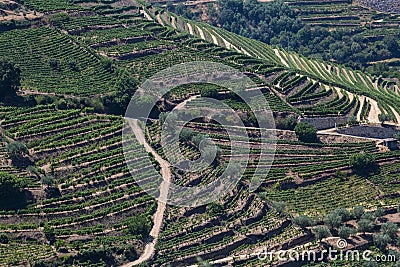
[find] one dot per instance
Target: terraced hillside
(299, 74)
(344, 13)
(83, 206)
(113, 37)
(241, 224)
(91, 199)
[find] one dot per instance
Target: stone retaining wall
(370, 131)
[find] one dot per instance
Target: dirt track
(159, 214)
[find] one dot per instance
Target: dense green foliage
(10, 77)
(277, 23)
(11, 187)
(140, 226)
(17, 149)
(306, 132)
(362, 162)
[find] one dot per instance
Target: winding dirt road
(159, 214)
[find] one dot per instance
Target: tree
(54, 64)
(180, 9)
(171, 122)
(365, 225)
(369, 216)
(130, 252)
(302, 221)
(371, 263)
(306, 132)
(382, 240)
(233, 169)
(390, 229)
(384, 117)
(362, 162)
(379, 212)
(33, 170)
(49, 233)
(125, 88)
(62, 104)
(162, 117)
(397, 136)
(343, 213)
(209, 92)
(4, 239)
(391, 43)
(17, 150)
(345, 232)
(170, 7)
(10, 187)
(358, 212)
(186, 135)
(139, 226)
(47, 180)
(333, 220)
(288, 123)
(73, 66)
(58, 18)
(210, 153)
(321, 232)
(280, 207)
(341, 175)
(352, 120)
(107, 64)
(215, 209)
(10, 78)
(198, 139)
